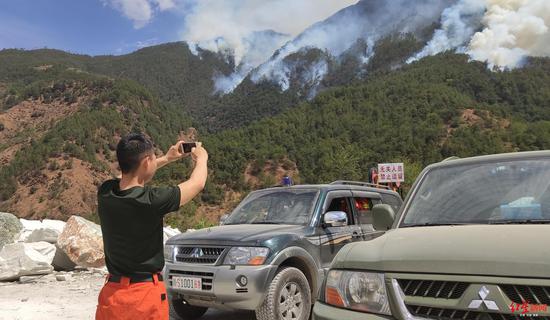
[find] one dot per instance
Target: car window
(392, 200)
(285, 206)
(341, 204)
(481, 193)
(363, 207)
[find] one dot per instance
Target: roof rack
(360, 183)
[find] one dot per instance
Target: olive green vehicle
(471, 241)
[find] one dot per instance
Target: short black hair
(131, 150)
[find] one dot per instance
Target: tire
(277, 306)
(181, 311)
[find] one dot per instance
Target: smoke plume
(369, 20)
(262, 38)
(228, 25)
(249, 31)
(459, 22)
(500, 32)
(513, 30)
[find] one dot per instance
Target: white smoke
(251, 30)
(235, 20)
(459, 22)
(500, 32)
(258, 45)
(514, 29)
(369, 20)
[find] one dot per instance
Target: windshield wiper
(520, 221)
(434, 224)
(265, 222)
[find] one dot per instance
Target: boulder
(9, 228)
(82, 242)
(25, 259)
(169, 232)
(46, 230)
(61, 261)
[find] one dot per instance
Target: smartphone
(187, 146)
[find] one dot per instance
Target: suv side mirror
(383, 217)
(223, 218)
(335, 219)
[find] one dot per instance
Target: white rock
(27, 279)
(31, 224)
(169, 232)
(23, 259)
(102, 271)
(63, 277)
(46, 230)
(44, 248)
(81, 240)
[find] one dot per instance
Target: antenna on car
(360, 183)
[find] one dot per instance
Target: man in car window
(131, 215)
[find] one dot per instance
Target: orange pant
(133, 301)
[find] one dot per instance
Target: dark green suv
(272, 252)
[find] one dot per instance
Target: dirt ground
(45, 298)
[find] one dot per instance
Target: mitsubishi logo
(489, 304)
(196, 253)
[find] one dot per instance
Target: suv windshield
(285, 206)
(483, 193)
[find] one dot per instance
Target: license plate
(188, 283)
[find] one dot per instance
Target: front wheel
(184, 311)
(288, 297)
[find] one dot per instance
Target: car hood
(244, 234)
(500, 250)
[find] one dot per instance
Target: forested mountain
(170, 70)
(57, 143)
(185, 80)
(62, 115)
(439, 107)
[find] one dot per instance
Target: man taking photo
(131, 216)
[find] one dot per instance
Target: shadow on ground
(223, 315)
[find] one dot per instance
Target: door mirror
(382, 217)
(335, 219)
(223, 218)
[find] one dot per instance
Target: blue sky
(97, 27)
(92, 27)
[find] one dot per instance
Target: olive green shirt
(132, 222)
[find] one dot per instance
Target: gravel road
(46, 298)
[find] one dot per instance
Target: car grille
(433, 289)
(207, 277)
(455, 290)
(531, 294)
(199, 255)
(452, 314)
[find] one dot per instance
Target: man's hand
(171, 155)
(190, 188)
(174, 153)
(199, 153)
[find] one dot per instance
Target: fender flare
(315, 272)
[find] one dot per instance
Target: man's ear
(145, 162)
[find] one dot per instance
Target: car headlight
(169, 252)
(359, 291)
(246, 256)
